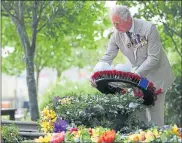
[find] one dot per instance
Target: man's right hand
(93, 84)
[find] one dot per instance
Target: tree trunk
(37, 81)
(29, 49)
(58, 73)
(32, 88)
(29, 55)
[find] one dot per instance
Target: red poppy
(137, 92)
(123, 91)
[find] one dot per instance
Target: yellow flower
(175, 129)
(156, 133)
(96, 132)
(65, 100)
(44, 130)
(44, 139)
(94, 139)
(54, 119)
(52, 115)
(48, 117)
(44, 124)
(45, 111)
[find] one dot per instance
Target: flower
(44, 139)
(90, 131)
(48, 117)
(73, 130)
(60, 125)
(57, 137)
(108, 137)
(175, 130)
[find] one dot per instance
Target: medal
(140, 41)
(129, 45)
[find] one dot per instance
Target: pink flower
(58, 137)
(73, 129)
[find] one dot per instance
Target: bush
(108, 111)
(10, 134)
(69, 88)
(84, 94)
(173, 104)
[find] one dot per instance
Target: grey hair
(120, 10)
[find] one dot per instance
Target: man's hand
(93, 84)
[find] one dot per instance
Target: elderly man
(139, 41)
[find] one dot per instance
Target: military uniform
(144, 50)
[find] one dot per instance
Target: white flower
(76, 139)
(133, 105)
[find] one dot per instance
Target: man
(139, 41)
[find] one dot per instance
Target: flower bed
(100, 135)
(99, 118)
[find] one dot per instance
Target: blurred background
(65, 41)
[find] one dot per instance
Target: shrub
(10, 133)
(69, 88)
(109, 111)
(173, 104)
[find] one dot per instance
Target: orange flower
(108, 137)
(90, 131)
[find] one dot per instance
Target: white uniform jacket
(146, 53)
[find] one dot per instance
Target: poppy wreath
(103, 78)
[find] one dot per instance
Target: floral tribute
(166, 134)
(82, 134)
(58, 130)
(104, 135)
(103, 78)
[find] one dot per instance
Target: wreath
(114, 81)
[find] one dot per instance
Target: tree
(22, 13)
(9, 38)
(63, 23)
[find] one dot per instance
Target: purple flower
(60, 125)
(165, 127)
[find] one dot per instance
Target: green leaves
(10, 133)
(97, 110)
(59, 25)
(173, 105)
(11, 39)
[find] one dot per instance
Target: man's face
(121, 25)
